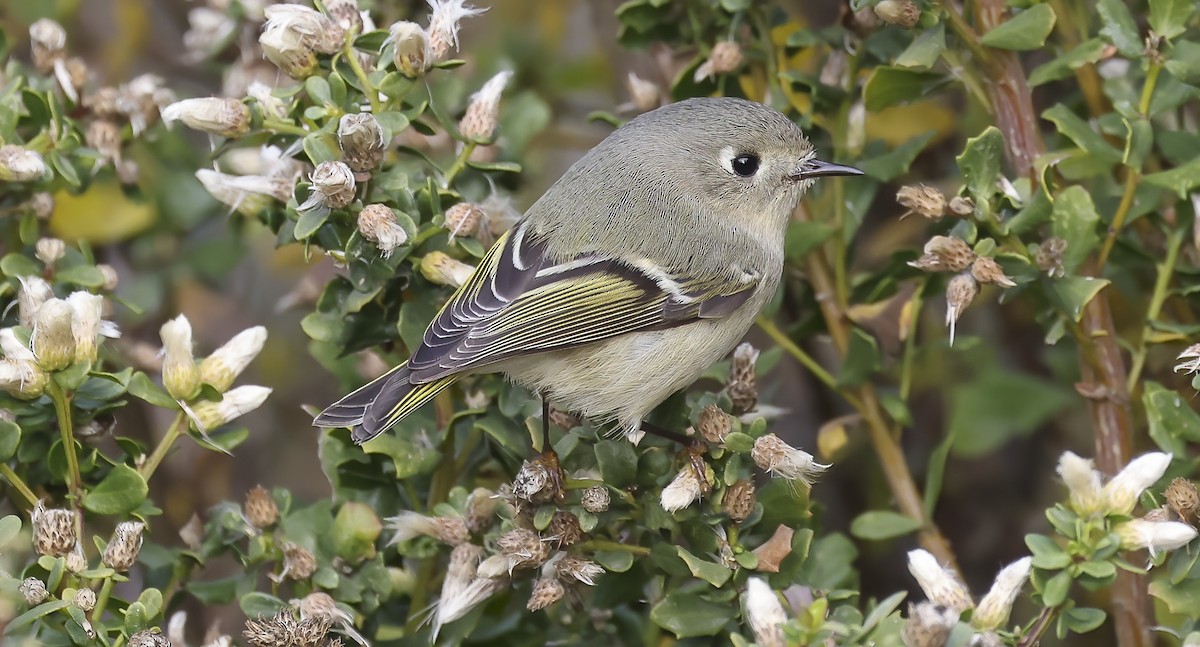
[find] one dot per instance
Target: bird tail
(380, 404)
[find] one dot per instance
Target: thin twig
(19, 484)
(164, 446)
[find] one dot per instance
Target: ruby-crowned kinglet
(641, 267)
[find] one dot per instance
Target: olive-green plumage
(641, 267)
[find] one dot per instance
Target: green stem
(460, 163)
(62, 410)
(102, 599)
(284, 127)
(1165, 271)
(1039, 627)
(804, 358)
(1131, 178)
(19, 484)
(352, 59)
(164, 446)
(910, 346)
(606, 544)
(965, 33)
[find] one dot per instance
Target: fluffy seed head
(457, 603)
(1049, 257)
(714, 425)
(987, 270)
(289, 50)
(18, 164)
(1083, 483)
(34, 291)
(443, 25)
(1122, 492)
(213, 115)
(940, 585)
(740, 500)
(928, 625)
(778, 458)
(53, 530)
(578, 569)
(181, 376)
(441, 269)
(85, 599)
(346, 14)
(377, 223)
(483, 112)
(564, 529)
(922, 200)
(904, 13)
(411, 53)
(523, 548)
(234, 404)
(299, 27)
(87, 324)
(408, 525)
(22, 379)
(33, 590)
(48, 42)
(764, 613)
(277, 631)
(994, 608)
(299, 563)
(261, 510)
(464, 218)
(122, 551)
(684, 490)
(742, 383)
(1183, 499)
(944, 254)
(481, 510)
(596, 499)
(1154, 536)
(52, 342)
(1191, 359)
(960, 292)
(726, 57)
(546, 591)
(104, 136)
(962, 206)
(249, 195)
(362, 141)
(223, 366)
(332, 185)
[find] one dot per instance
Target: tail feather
(381, 404)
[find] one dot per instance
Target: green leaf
(1181, 179)
(982, 415)
(409, 458)
(925, 49)
(121, 492)
(710, 572)
(141, 387)
(10, 525)
(614, 561)
(321, 147)
(1173, 423)
(1047, 554)
(687, 614)
(1078, 131)
(1089, 51)
(1081, 620)
(1024, 31)
(40, 611)
(1074, 292)
(1119, 27)
(310, 221)
(10, 438)
(16, 264)
(1074, 220)
(1182, 598)
(62, 164)
(1056, 590)
(889, 86)
(88, 276)
(318, 89)
(878, 525)
(260, 605)
(355, 529)
(979, 164)
(935, 473)
(152, 600)
(804, 236)
(894, 163)
(862, 359)
(496, 167)
(1183, 62)
(1169, 18)
(617, 462)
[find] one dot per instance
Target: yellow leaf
(100, 215)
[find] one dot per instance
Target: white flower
(12, 347)
(332, 187)
(1192, 355)
(764, 613)
(87, 324)
(272, 105)
(994, 608)
(778, 458)
(235, 404)
(443, 25)
(1122, 492)
(377, 223)
(940, 585)
(304, 26)
(223, 366)
(33, 293)
(682, 491)
(181, 376)
(50, 250)
(479, 122)
(1155, 536)
(411, 53)
(214, 115)
(440, 268)
(1083, 483)
(19, 164)
(247, 194)
(52, 341)
(22, 378)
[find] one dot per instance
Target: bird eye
(745, 165)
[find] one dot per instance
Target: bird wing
(520, 301)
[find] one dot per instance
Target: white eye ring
(726, 158)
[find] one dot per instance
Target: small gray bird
(642, 266)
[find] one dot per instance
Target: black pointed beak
(815, 168)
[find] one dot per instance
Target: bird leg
(693, 447)
(548, 457)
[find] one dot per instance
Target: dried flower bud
(223, 366)
(564, 529)
(361, 139)
(726, 56)
(441, 269)
(1183, 499)
(105, 137)
(523, 548)
(53, 342)
(261, 510)
(411, 53)
(944, 254)
(960, 292)
(298, 27)
(922, 200)
(1121, 493)
(994, 608)
(33, 590)
(987, 270)
(311, 630)
(141, 100)
(208, 30)
(85, 599)
(181, 376)
(247, 194)
(483, 112)
(739, 500)
(104, 103)
(48, 42)
(53, 530)
(14, 349)
(546, 591)
(377, 223)
(778, 458)
(459, 597)
(481, 510)
(940, 585)
(1191, 359)
(19, 164)
(764, 613)
(904, 13)
(277, 631)
(122, 551)
(1154, 536)
(346, 14)
(288, 49)
(573, 567)
(443, 25)
(332, 186)
(213, 115)
(87, 325)
(962, 206)
(1083, 483)
(742, 383)
(149, 638)
(714, 425)
(298, 562)
(75, 561)
(272, 106)
(234, 404)
(22, 378)
(645, 95)
(596, 499)
(464, 218)
(1161, 513)
(50, 250)
(408, 524)
(685, 489)
(1049, 257)
(929, 625)
(41, 204)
